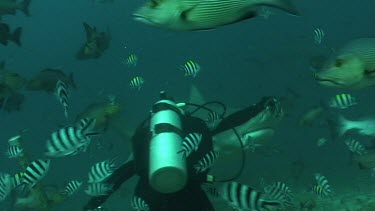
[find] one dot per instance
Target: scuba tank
(167, 170)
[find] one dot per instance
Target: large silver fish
(192, 15)
(353, 67)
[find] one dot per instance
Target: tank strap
(168, 128)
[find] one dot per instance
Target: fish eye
(339, 62)
(154, 3)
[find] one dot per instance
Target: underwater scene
(187, 105)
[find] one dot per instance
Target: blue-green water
(240, 64)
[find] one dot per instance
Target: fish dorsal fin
(196, 96)
(89, 30)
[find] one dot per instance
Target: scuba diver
(172, 155)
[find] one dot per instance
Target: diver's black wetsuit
(192, 197)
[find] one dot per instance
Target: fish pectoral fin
(185, 14)
(249, 15)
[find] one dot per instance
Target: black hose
(242, 160)
(203, 106)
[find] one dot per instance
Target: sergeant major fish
(206, 162)
(70, 140)
(14, 152)
(98, 189)
(343, 101)
(138, 203)
(5, 185)
(35, 172)
(100, 171)
(322, 187)
(192, 15)
(72, 187)
(190, 144)
(355, 147)
(243, 197)
(191, 68)
(137, 82)
(62, 96)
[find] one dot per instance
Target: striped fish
(17, 179)
(191, 68)
(322, 182)
(70, 140)
(318, 190)
(279, 192)
(206, 162)
(244, 197)
(204, 14)
(15, 140)
(137, 82)
(355, 147)
(213, 119)
(98, 189)
(62, 96)
(139, 204)
(132, 60)
(72, 187)
(14, 152)
(36, 171)
(190, 144)
(87, 124)
(5, 186)
(318, 36)
(343, 101)
(101, 170)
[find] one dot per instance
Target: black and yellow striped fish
(191, 68)
(343, 101)
(132, 60)
(137, 82)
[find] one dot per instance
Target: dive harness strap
(167, 128)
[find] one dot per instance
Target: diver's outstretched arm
(125, 172)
